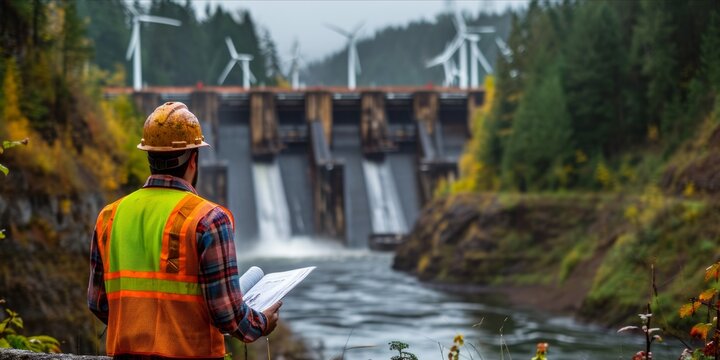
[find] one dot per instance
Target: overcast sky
(288, 20)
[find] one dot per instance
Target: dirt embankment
(512, 244)
(584, 255)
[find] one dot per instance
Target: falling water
(386, 212)
(272, 210)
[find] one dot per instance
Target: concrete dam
(351, 165)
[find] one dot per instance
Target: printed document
(261, 291)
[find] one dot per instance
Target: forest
(597, 95)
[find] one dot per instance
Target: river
(355, 301)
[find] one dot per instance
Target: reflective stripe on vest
(148, 245)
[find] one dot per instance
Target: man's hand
(272, 314)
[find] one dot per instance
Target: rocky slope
(44, 268)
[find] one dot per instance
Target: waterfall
(272, 209)
(385, 210)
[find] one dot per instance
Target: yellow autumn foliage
(689, 190)
(16, 126)
(108, 155)
(474, 174)
(603, 175)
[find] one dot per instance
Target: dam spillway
(324, 162)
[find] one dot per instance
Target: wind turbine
(134, 47)
(353, 59)
(445, 58)
(459, 44)
(234, 58)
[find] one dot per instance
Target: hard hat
(171, 127)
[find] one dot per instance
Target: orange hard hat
(171, 127)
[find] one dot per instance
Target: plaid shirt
(218, 273)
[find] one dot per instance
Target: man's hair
(156, 158)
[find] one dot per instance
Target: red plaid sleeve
(219, 279)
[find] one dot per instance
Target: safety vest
(147, 241)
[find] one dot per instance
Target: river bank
(585, 255)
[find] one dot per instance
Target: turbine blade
(132, 47)
(434, 61)
(231, 47)
(132, 10)
(481, 58)
(459, 22)
(357, 28)
(225, 72)
(454, 45)
(504, 49)
(159, 20)
(338, 30)
(447, 53)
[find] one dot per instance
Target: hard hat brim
(170, 148)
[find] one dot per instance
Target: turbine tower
(295, 66)
(353, 59)
(461, 35)
(234, 58)
(134, 47)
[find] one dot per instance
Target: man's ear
(194, 159)
(192, 165)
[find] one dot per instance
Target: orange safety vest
(147, 241)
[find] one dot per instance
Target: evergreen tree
(594, 79)
(273, 67)
(656, 54)
(542, 138)
(173, 55)
(250, 44)
(108, 29)
(710, 53)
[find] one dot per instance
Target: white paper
(250, 278)
(273, 287)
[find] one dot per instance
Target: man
(163, 273)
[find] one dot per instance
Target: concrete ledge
(12, 354)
